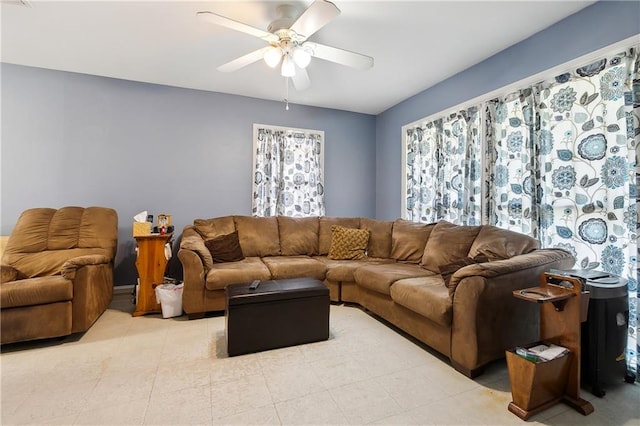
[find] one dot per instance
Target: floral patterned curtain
(560, 163)
(443, 170)
(288, 175)
(589, 138)
(511, 168)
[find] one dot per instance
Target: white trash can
(169, 296)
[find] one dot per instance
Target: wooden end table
(151, 264)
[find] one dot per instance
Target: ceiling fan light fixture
(301, 57)
(272, 56)
(288, 67)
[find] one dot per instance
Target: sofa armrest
(194, 242)
(92, 278)
(562, 258)
(8, 272)
(487, 318)
(71, 266)
(194, 274)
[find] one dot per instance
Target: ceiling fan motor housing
(287, 17)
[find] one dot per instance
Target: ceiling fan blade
(243, 61)
(301, 79)
(340, 56)
(214, 18)
(319, 14)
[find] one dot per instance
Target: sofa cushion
(380, 277)
(342, 270)
(222, 274)
(324, 230)
(30, 234)
(498, 244)
(211, 228)
(225, 248)
(425, 296)
(63, 228)
(35, 291)
(379, 238)
(348, 243)
(448, 242)
(408, 240)
(8, 273)
(282, 267)
(298, 235)
(258, 235)
(99, 228)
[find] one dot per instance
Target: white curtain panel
(443, 172)
(511, 197)
(589, 136)
(288, 173)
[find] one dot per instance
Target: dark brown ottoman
(278, 313)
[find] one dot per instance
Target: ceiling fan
(288, 42)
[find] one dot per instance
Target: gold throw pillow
(348, 243)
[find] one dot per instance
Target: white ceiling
(415, 44)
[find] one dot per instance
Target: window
(560, 163)
(288, 170)
(442, 169)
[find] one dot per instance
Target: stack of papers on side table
(548, 352)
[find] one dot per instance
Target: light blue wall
(74, 139)
(592, 28)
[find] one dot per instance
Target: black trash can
(604, 334)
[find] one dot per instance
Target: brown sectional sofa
(472, 320)
(57, 272)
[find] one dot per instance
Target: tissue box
(141, 228)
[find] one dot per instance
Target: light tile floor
(149, 370)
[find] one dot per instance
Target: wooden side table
(536, 387)
(151, 264)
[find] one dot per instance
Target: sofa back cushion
(324, 230)
(31, 233)
(498, 244)
(42, 229)
(408, 240)
(44, 238)
(447, 243)
(298, 235)
(63, 230)
(258, 235)
(379, 237)
(212, 228)
(98, 229)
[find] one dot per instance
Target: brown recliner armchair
(57, 272)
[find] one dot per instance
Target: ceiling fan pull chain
(286, 93)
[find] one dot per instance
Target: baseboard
(122, 289)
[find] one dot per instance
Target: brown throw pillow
(449, 269)
(348, 243)
(225, 248)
